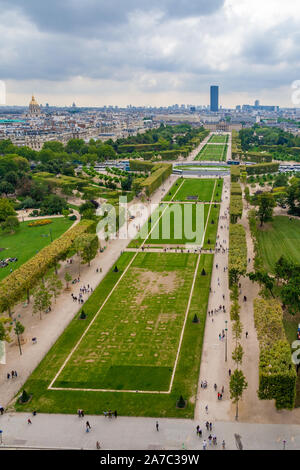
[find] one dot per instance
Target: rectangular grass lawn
(132, 343)
(200, 188)
(179, 224)
(218, 139)
(27, 241)
(212, 152)
(281, 237)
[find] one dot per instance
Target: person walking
(157, 426)
(88, 426)
(204, 445)
(206, 408)
(29, 421)
(98, 447)
(246, 334)
(116, 414)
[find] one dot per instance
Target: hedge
(237, 260)
(14, 286)
(257, 157)
(129, 148)
(140, 165)
(236, 189)
(161, 173)
(262, 168)
(277, 375)
(235, 173)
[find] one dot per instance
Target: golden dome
(33, 101)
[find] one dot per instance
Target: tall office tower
(214, 98)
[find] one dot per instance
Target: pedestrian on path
(206, 408)
(204, 444)
(157, 426)
(229, 372)
(88, 426)
(29, 421)
(246, 334)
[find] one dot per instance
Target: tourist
(157, 426)
(88, 426)
(204, 444)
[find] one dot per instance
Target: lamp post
(226, 329)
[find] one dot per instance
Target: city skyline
(157, 55)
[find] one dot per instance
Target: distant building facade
(214, 98)
(34, 108)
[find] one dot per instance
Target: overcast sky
(149, 52)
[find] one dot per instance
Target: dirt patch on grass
(150, 283)
(266, 227)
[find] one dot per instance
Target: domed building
(34, 108)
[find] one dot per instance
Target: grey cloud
(97, 16)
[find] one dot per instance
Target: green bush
(277, 375)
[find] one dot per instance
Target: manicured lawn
(179, 224)
(200, 188)
(212, 227)
(211, 152)
(27, 241)
(218, 139)
(132, 343)
(277, 238)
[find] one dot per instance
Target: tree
(90, 246)
(42, 299)
(263, 278)
(11, 224)
(237, 330)
(290, 294)
(54, 286)
(19, 330)
(6, 209)
(237, 355)
(237, 386)
(68, 278)
(6, 188)
(266, 205)
(5, 329)
(53, 204)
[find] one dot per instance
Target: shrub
(277, 375)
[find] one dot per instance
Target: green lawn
(27, 241)
(179, 224)
(132, 343)
(200, 188)
(218, 139)
(211, 152)
(277, 238)
(212, 228)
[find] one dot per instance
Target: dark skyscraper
(214, 98)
